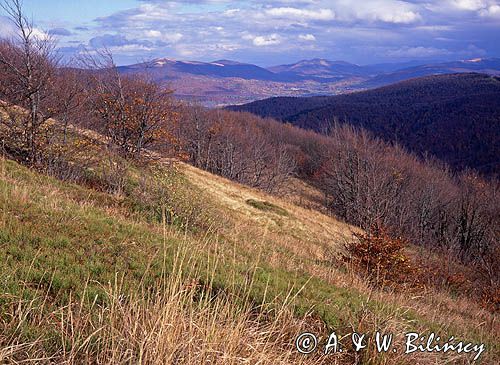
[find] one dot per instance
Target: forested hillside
(479, 65)
(453, 117)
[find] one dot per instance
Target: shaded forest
(455, 118)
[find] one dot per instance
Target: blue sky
(274, 31)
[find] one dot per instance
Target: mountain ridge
(226, 82)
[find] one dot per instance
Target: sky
(271, 32)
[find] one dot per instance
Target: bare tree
(132, 111)
(236, 146)
(28, 66)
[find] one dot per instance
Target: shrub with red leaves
(380, 258)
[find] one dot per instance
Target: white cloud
(492, 11)
(235, 29)
(130, 49)
(388, 11)
(405, 17)
(267, 40)
(153, 33)
(307, 37)
(40, 34)
(8, 30)
(483, 8)
(149, 12)
(417, 52)
(231, 12)
(301, 14)
(435, 28)
(6, 27)
(170, 37)
(472, 5)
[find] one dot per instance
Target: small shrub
(380, 258)
(487, 269)
(490, 299)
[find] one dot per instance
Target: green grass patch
(267, 207)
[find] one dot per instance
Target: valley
(453, 117)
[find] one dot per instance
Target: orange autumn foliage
(380, 258)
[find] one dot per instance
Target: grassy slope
(57, 238)
(307, 241)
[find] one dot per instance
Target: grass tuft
(267, 207)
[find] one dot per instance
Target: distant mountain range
(322, 70)
(225, 82)
(454, 117)
(168, 69)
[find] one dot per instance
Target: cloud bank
(275, 31)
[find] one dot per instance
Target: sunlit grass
(155, 275)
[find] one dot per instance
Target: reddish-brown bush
(380, 258)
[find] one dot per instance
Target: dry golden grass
(307, 233)
(307, 240)
(188, 321)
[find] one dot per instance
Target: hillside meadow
(225, 274)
